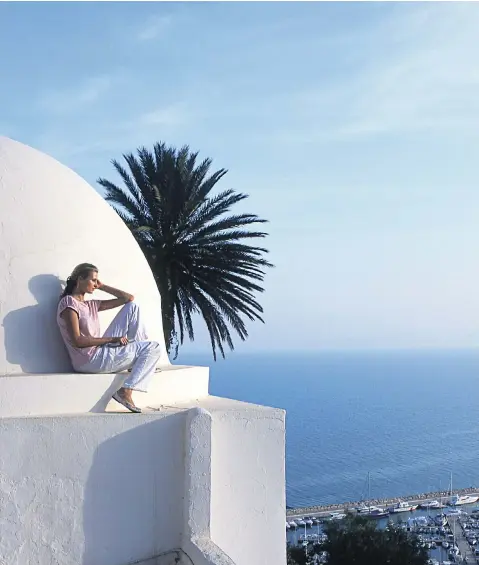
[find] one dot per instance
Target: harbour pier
(326, 509)
(467, 555)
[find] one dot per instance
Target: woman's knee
(154, 347)
(131, 306)
(131, 309)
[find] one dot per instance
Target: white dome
(51, 220)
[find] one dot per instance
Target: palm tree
(198, 254)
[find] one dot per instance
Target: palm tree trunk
(167, 308)
(162, 283)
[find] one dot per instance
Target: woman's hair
(79, 272)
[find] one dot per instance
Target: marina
(457, 526)
(447, 524)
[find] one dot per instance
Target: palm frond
(199, 255)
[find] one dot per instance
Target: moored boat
(431, 504)
(377, 513)
(464, 499)
(440, 520)
(417, 523)
(366, 509)
(402, 507)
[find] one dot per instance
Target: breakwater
(416, 498)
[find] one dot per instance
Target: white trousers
(140, 355)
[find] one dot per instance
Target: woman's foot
(127, 394)
(124, 397)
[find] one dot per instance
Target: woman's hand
(119, 341)
(99, 284)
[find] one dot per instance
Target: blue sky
(354, 128)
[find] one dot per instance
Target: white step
(77, 393)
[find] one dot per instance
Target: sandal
(157, 370)
(131, 407)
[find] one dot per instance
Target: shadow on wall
(32, 337)
(133, 498)
(105, 399)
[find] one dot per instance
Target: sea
(408, 418)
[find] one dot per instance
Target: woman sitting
(123, 346)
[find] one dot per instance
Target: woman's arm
(80, 341)
(122, 297)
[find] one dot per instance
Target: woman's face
(89, 283)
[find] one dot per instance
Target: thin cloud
(61, 101)
(165, 116)
(110, 138)
(154, 28)
(417, 72)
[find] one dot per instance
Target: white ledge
(77, 393)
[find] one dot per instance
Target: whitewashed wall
(117, 489)
(248, 478)
(90, 490)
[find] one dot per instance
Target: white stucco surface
(76, 393)
(114, 489)
(197, 540)
(248, 481)
(51, 220)
(90, 490)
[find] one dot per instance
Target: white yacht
(288, 526)
(431, 504)
(377, 513)
(402, 507)
(460, 500)
(293, 524)
(464, 499)
(367, 509)
(301, 522)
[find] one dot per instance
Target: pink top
(89, 326)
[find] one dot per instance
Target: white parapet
(202, 483)
(240, 477)
(78, 393)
